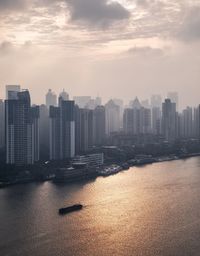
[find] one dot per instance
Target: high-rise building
(137, 119)
(145, 103)
(186, 123)
(169, 118)
(2, 125)
(120, 103)
(112, 117)
(99, 125)
(135, 104)
(156, 120)
(44, 132)
(197, 122)
(98, 101)
(128, 117)
(22, 131)
(173, 96)
(82, 101)
(156, 101)
(64, 95)
(84, 129)
(35, 133)
(11, 91)
(62, 130)
(51, 98)
(145, 125)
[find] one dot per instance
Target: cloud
(190, 28)
(10, 5)
(97, 13)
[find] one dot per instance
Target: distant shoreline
(135, 164)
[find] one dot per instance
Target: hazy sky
(115, 48)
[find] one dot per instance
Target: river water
(148, 211)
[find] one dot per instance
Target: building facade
(62, 130)
(169, 120)
(22, 130)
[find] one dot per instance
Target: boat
(110, 170)
(74, 173)
(72, 208)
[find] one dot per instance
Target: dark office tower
(128, 117)
(186, 123)
(11, 91)
(197, 122)
(169, 119)
(44, 132)
(156, 120)
(91, 129)
(156, 101)
(64, 95)
(67, 129)
(35, 144)
(86, 130)
(62, 130)
(120, 103)
(173, 96)
(99, 125)
(178, 125)
(51, 98)
(21, 130)
(54, 132)
(2, 125)
(145, 126)
(112, 117)
(77, 130)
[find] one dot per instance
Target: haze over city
(122, 49)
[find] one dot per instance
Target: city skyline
(62, 128)
(118, 48)
(99, 127)
(83, 100)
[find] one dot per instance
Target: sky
(108, 48)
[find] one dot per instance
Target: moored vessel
(72, 208)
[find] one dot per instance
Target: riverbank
(108, 170)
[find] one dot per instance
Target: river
(145, 211)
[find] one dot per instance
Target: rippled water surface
(148, 211)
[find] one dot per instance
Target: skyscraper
(51, 98)
(156, 120)
(186, 123)
(156, 101)
(11, 90)
(169, 120)
(2, 124)
(82, 101)
(22, 132)
(112, 117)
(197, 122)
(128, 121)
(44, 132)
(120, 103)
(137, 119)
(84, 129)
(64, 95)
(62, 130)
(173, 96)
(99, 125)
